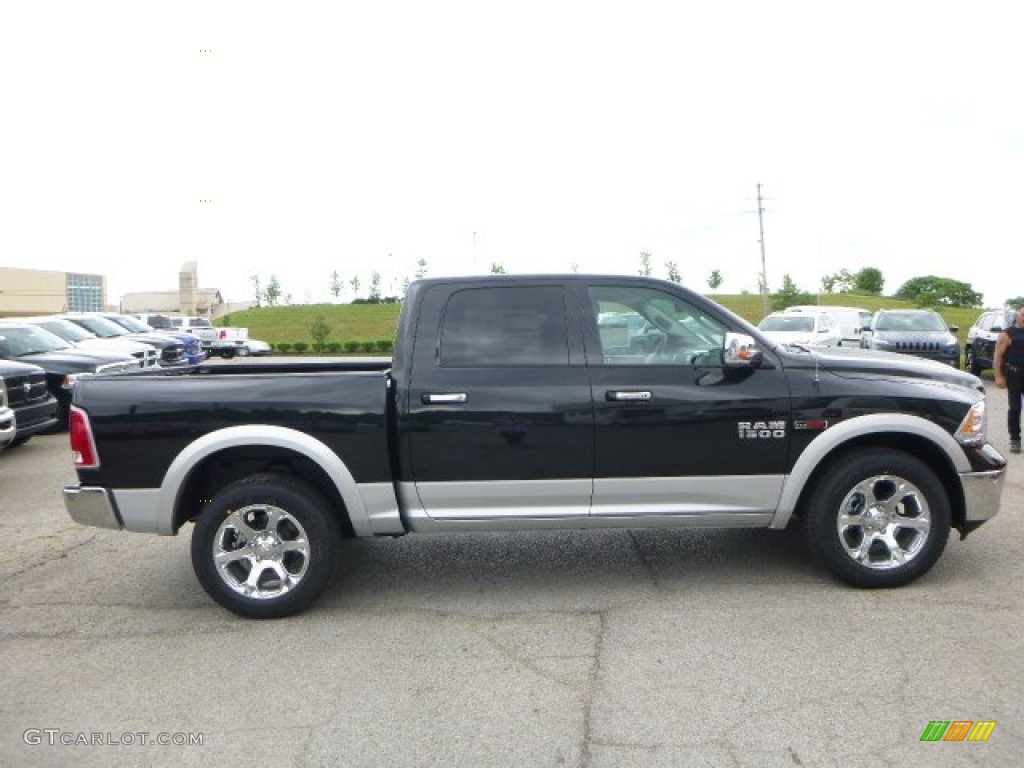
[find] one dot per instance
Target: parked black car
(980, 348)
(920, 332)
(63, 364)
(172, 351)
(32, 408)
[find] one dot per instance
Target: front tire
(878, 518)
(971, 363)
(265, 546)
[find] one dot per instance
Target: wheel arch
(910, 434)
(218, 458)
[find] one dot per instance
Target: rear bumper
(92, 506)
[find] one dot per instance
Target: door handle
(431, 398)
(632, 395)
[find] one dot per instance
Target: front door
(676, 433)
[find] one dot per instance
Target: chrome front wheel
(877, 517)
(884, 522)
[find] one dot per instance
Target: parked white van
(851, 320)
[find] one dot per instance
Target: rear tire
(227, 353)
(266, 546)
(878, 518)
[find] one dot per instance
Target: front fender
(835, 437)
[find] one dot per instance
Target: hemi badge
(810, 425)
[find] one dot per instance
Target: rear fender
(194, 453)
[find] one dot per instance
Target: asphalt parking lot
(600, 648)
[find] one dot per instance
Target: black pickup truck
(519, 403)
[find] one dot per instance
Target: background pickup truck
(516, 403)
(223, 341)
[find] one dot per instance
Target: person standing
(1009, 369)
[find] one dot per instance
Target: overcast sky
(298, 138)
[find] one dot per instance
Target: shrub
(352, 346)
(283, 347)
(301, 347)
(334, 347)
(369, 346)
(384, 345)
(319, 330)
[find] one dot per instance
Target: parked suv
(920, 332)
(980, 348)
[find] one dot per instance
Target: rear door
(497, 419)
(676, 433)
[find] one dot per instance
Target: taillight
(223, 335)
(83, 447)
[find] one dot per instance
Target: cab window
(645, 326)
(505, 326)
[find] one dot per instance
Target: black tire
(878, 518)
(971, 362)
(227, 353)
(19, 441)
(303, 542)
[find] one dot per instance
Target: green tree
(715, 279)
(319, 330)
(497, 269)
(932, 291)
(673, 272)
(1016, 301)
(354, 282)
(374, 295)
(272, 293)
(842, 282)
(869, 280)
(790, 295)
(645, 264)
(335, 284)
(421, 268)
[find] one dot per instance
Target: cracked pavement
(563, 648)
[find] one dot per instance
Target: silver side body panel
(604, 503)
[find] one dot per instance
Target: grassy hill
(372, 322)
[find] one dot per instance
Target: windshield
(910, 321)
(105, 329)
(19, 340)
(200, 322)
(64, 329)
(787, 323)
(133, 325)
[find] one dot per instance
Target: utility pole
(764, 270)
